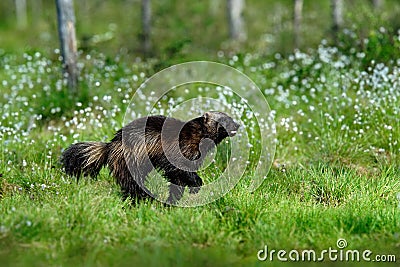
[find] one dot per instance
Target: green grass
(327, 182)
(88, 223)
(335, 173)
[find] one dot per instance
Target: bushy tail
(85, 158)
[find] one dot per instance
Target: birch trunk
(67, 35)
(337, 17)
(21, 14)
(297, 19)
(377, 3)
(146, 26)
(235, 10)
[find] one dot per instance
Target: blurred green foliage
(184, 30)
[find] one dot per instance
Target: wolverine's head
(220, 125)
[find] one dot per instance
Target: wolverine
(173, 147)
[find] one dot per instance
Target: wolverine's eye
(221, 127)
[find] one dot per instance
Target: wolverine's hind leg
(131, 180)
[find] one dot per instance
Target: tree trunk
(214, 7)
(377, 3)
(337, 17)
(146, 26)
(66, 31)
(235, 10)
(37, 12)
(297, 18)
(20, 10)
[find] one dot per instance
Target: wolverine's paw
(196, 186)
(194, 190)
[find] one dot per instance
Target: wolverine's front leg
(195, 183)
(179, 180)
(175, 193)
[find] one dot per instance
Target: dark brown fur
(173, 146)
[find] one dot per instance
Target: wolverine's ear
(207, 116)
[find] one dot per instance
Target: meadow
(335, 173)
